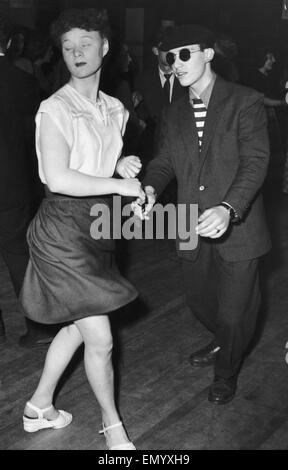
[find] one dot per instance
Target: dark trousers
(13, 245)
(225, 297)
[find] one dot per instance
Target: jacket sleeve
(160, 170)
(253, 155)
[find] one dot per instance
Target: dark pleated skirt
(70, 275)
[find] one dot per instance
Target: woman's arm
(60, 179)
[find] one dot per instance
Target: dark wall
(246, 19)
(249, 22)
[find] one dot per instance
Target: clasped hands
(144, 204)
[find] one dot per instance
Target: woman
(71, 277)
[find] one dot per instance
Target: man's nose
(174, 63)
(177, 64)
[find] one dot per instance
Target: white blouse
(93, 131)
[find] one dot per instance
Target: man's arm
(160, 170)
(158, 174)
(253, 163)
(253, 156)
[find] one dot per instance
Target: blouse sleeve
(58, 111)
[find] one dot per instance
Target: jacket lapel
(187, 129)
(216, 104)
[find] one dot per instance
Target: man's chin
(184, 81)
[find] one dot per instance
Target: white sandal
(35, 424)
(127, 446)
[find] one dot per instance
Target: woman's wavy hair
(89, 19)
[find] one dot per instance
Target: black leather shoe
(36, 337)
(205, 356)
(2, 330)
(222, 390)
(38, 334)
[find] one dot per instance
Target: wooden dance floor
(162, 399)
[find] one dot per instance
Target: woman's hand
(130, 187)
(129, 167)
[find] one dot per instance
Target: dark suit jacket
(149, 85)
(19, 99)
(231, 166)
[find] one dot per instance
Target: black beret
(186, 36)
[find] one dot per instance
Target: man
(158, 87)
(157, 84)
(215, 142)
(19, 100)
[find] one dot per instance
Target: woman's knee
(97, 336)
(100, 346)
(72, 331)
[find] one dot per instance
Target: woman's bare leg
(96, 333)
(59, 354)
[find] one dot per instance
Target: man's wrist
(232, 212)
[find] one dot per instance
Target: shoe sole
(199, 366)
(34, 427)
(222, 402)
(39, 428)
(35, 344)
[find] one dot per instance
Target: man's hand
(151, 199)
(128, 167)
(214, 222)
(138, 207)
(136, 98)
(142, 124)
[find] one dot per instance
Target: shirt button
(201, 188)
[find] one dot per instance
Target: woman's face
(83, 51)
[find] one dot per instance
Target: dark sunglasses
(184, 55)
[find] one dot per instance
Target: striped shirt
(200, 112)
(203, 102)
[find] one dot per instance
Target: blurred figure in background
(260, 77)
(17, 51)
(19, 100)
(224, 63)
(118, 81)
(158, 87)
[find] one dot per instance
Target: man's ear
(155, 50)
(209, 54)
